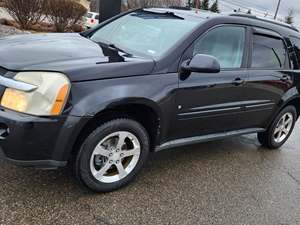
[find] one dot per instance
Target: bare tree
(64, 13)
(197, 4)
(1, 3)
(25, 12)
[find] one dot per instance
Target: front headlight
(48, 99)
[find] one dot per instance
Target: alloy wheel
(283, 127)
(115, 157)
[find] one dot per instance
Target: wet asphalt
(233, 181)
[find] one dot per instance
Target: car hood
(76, 56)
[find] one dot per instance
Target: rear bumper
(42, 142)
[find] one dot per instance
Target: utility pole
(108, 9)
(278, 6)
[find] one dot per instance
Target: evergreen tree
(215, 7)
(205, 5)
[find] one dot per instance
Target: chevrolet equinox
(144, 81)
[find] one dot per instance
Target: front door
(211, 103)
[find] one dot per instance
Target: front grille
(2, 71)
(2, 88)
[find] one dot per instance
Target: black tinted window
(269, 53)
(296, 43)
(225, 43)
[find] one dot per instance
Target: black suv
(145, 81)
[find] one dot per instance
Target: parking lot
(232, 181)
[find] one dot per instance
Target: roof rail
(181, 7)
(265, 20)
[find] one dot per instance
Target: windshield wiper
(113, 46)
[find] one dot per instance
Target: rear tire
(280, 129)
(112, 155)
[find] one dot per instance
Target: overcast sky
(263, 6)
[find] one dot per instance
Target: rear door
(269, 77)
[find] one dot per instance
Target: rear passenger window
(268, 53)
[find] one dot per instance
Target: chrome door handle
(238, 81)
(285, 78)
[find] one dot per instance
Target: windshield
(151, 34)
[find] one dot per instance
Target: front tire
(112, 155)
(280, 130)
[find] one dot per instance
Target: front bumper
(39, 164)
(43, 142)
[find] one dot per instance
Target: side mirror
(202, 64)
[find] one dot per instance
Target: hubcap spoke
(132, 152)
(121, 141)
(277, 130)
(99, 150)
(99, 174)
(285, 131)
(288, 121)
(280, 134)
(121, 170)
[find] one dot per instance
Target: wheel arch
(291, 97)
(144, 111)
(295, 101)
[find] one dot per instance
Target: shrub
(77, 28)
(43, 27)
(3, 21)
(64, 13)
(25, 12)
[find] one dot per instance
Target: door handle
(238, 81)
(285, 78)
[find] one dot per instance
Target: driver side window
(226, 43)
